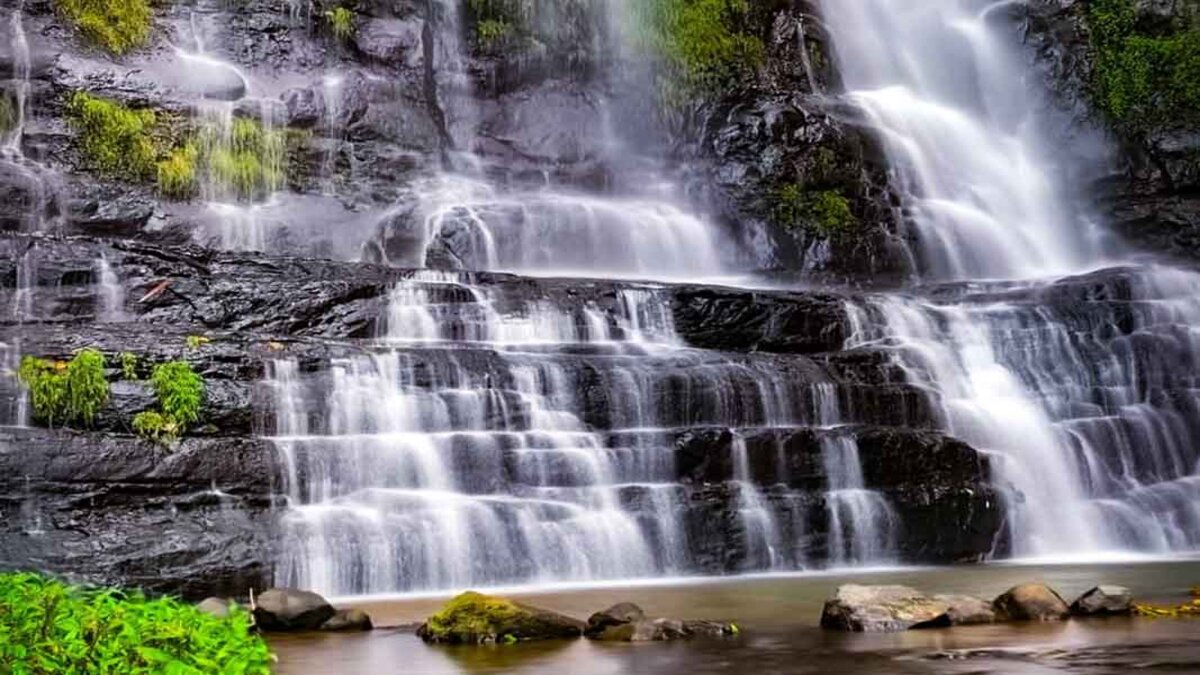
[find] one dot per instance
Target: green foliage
(116, 25)
(157, 427)
(474, 617)
(66, 392)
(195, 342)
(8, 113)
(704, 43)
(496, 21)
(180, 391)
(129, 365)
(1145, 76)
(825, 212)
(491, 32)
(246, 159)
(49, 627)
(341, 22)
(177, 173)
(114, 139)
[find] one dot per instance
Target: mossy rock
(474, 618)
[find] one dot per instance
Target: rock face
(1103, 601)
(290, 609)
(1030, 602)
(880, 609)
(473, 618)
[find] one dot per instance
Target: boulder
(348, 620)
(620, 614)
(218, 607)
(1103, 601)
(663, 630)
(962, 610)
(474, 618)
(1030, 602)
(291, 609)
(879, 609)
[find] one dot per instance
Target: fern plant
(66, 392)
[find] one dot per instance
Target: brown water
(779, 617)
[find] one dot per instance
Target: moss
(491, 33)
(474, 617)
(115, 25)
(177, 173)
(246, 161)
(66, 392)
(1146, 75)
(825, 212)
(704, 44)
(341, 22)
(8, 113)
(115, 139)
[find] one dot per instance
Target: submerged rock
(880, 609)
(291, 609)
(1103, 601)
(1030, 602)
(474, 618)
(620, 614)
(626, 622)
(962, 610)
(348, 620)
(218, 607)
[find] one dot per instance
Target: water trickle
(862, 525)
(110, 293)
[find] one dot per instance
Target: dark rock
(390, 41)
(1103, 601)
(879, 609)
(348, 620)
(963, 610)
(662, 630)
(618, 615)
(1030, 602)
(472, 618)
(290, 609)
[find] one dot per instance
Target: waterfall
(111, 294)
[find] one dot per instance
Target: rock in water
(1104, 601)
(1030, 602)
(879, 609)
(963, 610)
(620, 614)
(218, 607)
(289, 609)
(348, 620)
(473, 618)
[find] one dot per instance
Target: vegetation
(704, 43)
(341, 22)
(180, 394)
(246, 160)
(66, 392)
(1189, 609)
(1146, 74)
(475, 616)
(157, 427)
(114, 139)
(8, 113)
(49, 627)
(496, 21)
(177, 173)
(194, 342)
(825, 212)
(115, 25)
(129, 365)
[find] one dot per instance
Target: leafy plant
(341, 22)
(826, 212)
(704, 44)
(155, 426)
(246, 159)
(49, 627)
(180, 391)
(129, 364)
(492, 32)
(177, 173)
(115, 25)
(66, 392)
(195, 342)
(8, 113)
(114, 139)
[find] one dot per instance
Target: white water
(110, 292)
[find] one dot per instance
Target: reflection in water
(779, 617)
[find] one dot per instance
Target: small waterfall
(763, 540)
(862, 525)
(10, 139)
(110, 293)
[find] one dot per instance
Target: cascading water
(1090, 423)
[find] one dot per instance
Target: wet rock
(1030, 602)
(473, 618)
(879, 609)
(620, 614)
(390, 41)
(218, 607)
(963, 610)
(348, 620)
(1103, 601)
(291, 609)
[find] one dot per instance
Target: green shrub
(704, 43)
(8, 113)
(49, 627)
(1145, 76)
(825, 212)
(177, 173)
(157, 427)
(116, 25)
(341, 22)
(114, 139)
(491, 32)
(180, 391)
(129, 365)
(66, 392)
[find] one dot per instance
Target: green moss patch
(115, 139)
(341, 22)
(116, 25)
(474, 618)
(825, 212)
(1146, 74)
(704, 43)
(49, 627)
